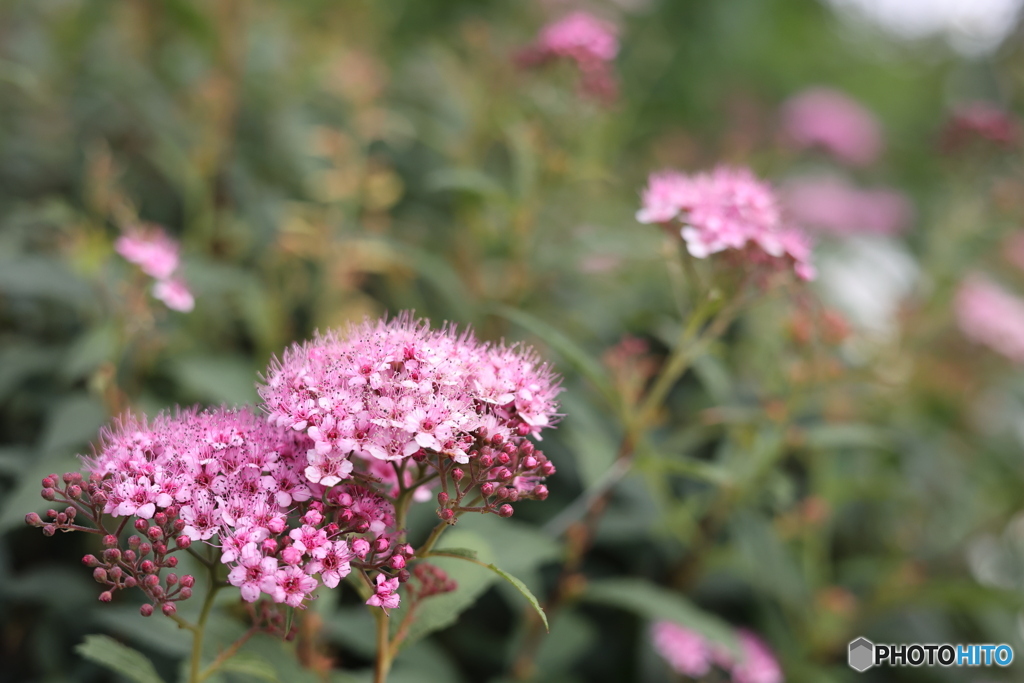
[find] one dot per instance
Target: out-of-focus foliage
(321, 161)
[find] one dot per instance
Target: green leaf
(582, 361)
(465, 180)
(464, 553)
(654, 602)
(130, 663)
(217, 379)
(521, 587)
(251, 666)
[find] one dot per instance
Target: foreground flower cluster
(726, 209)
(360, 426)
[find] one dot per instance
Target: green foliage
(111, 654)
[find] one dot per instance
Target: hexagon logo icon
(862, 655)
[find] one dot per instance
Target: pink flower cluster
(832, 121)
(980, 121)
(832, 205)
(156, 254)
(690, 654)
(989, 315)
(591, 43)
(728, 208)
(395, 391)
(359, 426)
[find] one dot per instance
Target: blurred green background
(321, 161)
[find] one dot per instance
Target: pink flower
(989, 315)
(980, 121)
(831, 205)
(327, 470)
(589, 42)
(757, 664)
(175, 294)
(139, 497)
(386, 596)
(252, 570)
(151, 249)
(580, 36)
(829, 119)
(728, 208)
(334, 565)
(686, 651)
(290, 585)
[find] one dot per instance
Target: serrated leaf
(584, 363)
(521, 587)
(251, 666)
(130, 663)
(464, 553)
(654, 602)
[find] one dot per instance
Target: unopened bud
(75, 491)
(145, 549)
(269, 546)
(178, 526)
(155, 533)
(540, 492)
(160, 518)
(188, 581)
(183, 542)
(116, 573)
(99, 574)
(504, 458)
(90, 561)
(486, 460)
(147, 567)
(129, 582)
(49, 530)
(129, 556)
(419, 456)
(529, 462)
(33, 519)
(111, 554)
(397, 562)
(487, 488)
(442, 498)
(171, 561)
(381, 544)
(511, 494)
(185, 593)
(134, 541)
(47, 494)
(360, 547)
(146, 610)
(141, 525)
(458, 474)
(505, 511)
(109, 541)
(445, 514)
(523, 429)
(404, 576)
(171, 579)
(151, 581)
(106, 596)
(502, 474)
(168, 608)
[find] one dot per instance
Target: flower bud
(129, 582)
(397, 562)
(48, 494)
(106, 596)
(505, 511)
(49, 482)
(291, 555)
(111, 555)
(49, 530)
(511, 494)
(160, 518)
(141, 525)
(362, 527)
(381, 544)
(419, 456)
(269, 546)
(178, 526)
(312, 517)
(458, 474)
(99, 498)
(171, 579)
(145, 549)
(90, 561)
(99, 574)
(486, 460)
(129, 556)
(547, 469)
(188, 581)
(134, 541)
(361, 547)
(442, 498)
(185, 593)
(276, 525)
(146, 610)
(523, 429)
(109, 541)
(147, 567)
(526, 449)
(504, 458)
(497, 440)
(151, 581)
(540, 492)
(75, 491)
(405, 549)
(445, 514)
(116, 573)
(502, 473)
(155, 533)
(171, 562)
(487, 488)
(183, 542)
(529, 462)
(168, 608)
(404, 576)
(33, 519)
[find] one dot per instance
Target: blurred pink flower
(976, 121)
(686, 651)
(590, 42)
(829, 119)
(175, 294)
(1013, 249)
(151, 249)
(729, 208)
(989, 315)
(758, 664)
(832, 205)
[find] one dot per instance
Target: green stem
(198, 631)
(425, 549)
(382, 664)
(226, 654)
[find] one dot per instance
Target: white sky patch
(971, 26)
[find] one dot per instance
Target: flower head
(686, 651)
(831, 120)
(386, 594)
(589, 42)
(175, 294)
(728, 208)
(989, 315)
(831, 205)
(151, 249)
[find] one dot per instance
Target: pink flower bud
(188, 581)
(111, 555)
(129, 582)
(49, 530)
(48, 494)
(145, 549)
(49, 482)
(381, 544)
(526, 449)
(90, 561)
(33, 519)
(151, 581)
(134, 541)
(505, 511)
(540, 492)
(276, 525)
(497, 440)
(512, 494)
(185, 593)
(312, 517)
(168, 608)
(442, 498)
(523, 429)
(269, 546)
(99, 498)
(486, 460)
(397, 562)
(141, 525)
(183, 542)
(361, 547)
(404, 576)
(529, 462)
(171, 579)
(178, 526)
(291, 555)
(147, 567)
(458, 474)
(445, 514)
(487, 489)
(99, 574)
(75, 491)
(129, 556)
(116, 573)
(109, 541)
(547, 469)
(406, 550)
(160, 518)
(106, 596)
(155, 533)
(502, 473)
(419, 456)
(504, 458)
(171, 561)
(146, 610)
